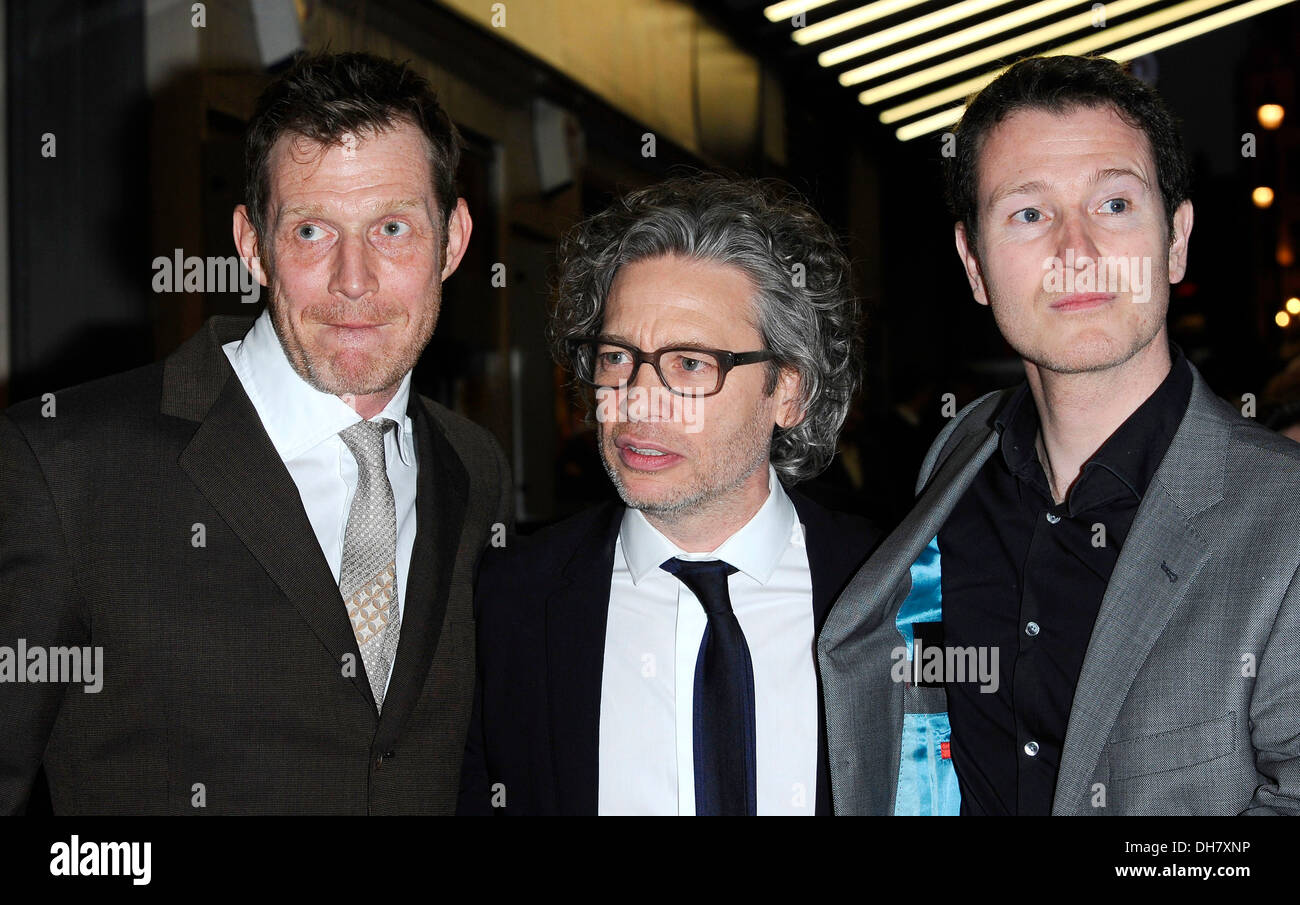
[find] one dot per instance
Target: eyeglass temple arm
(744, 358)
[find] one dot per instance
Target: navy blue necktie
(723, 718)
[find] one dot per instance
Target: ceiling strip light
(788, 9)
(953, 41)
(1123, 54)
(909, 29)
(931, 123)
(1193, 29)
(1012, 46)
(1106, 36)
(852, 19)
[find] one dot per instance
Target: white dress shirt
(303, 424)
(652, 639)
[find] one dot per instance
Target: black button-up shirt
(1025, 576)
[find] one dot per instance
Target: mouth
(1082, 301)
(643, 455)
(352, 334)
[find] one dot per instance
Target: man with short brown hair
(270, 535)
(1112, 545)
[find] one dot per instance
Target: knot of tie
(365, 439)
(707, 579)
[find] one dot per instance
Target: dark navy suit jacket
(541, 605)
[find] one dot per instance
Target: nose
(651, 401)
(1076, 233)
(645, 375)
(353, 278)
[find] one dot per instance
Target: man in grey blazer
(1094, 606)
(264, 546)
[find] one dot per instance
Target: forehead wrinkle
(378, 206)
(1023, 188)
(1118, 173)
(1037, 185)
(690, 341)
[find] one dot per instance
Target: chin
(1081, 351)
(345, 374)
(661, 493)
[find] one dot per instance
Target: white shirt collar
(755, 549)
(296, 415)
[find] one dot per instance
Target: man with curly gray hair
(712, 330)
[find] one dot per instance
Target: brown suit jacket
(224, 687)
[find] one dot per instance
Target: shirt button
(1031, 629)
(1052, 519)
(1031, 748)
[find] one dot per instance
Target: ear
(459, 227)
(1178, 242)
(246, 242)
(789, 413)
(970, 261)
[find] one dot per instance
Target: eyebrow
(1026, 188)
(374, 207)
(679, 344)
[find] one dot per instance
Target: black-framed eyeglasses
(684, 370)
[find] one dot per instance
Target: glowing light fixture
(1122, 54)
(1270, 115)
(953, 41)
(931, 123)
(852, 19)
(910, 29)
(788, 9)
(1105, 36)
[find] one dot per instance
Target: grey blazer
(1188, 701)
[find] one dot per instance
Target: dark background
(148, 114)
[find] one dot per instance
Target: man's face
(659, 465)
(1074, 254)
(358, 257)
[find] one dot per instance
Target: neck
(370, 406)
(1078, 412)
(703, 528)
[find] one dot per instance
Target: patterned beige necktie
(368, 576)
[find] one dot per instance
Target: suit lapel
(864, 712)
(1161, 556)
(232, 462)
(441, 497)
(865, 601)
(576, 614)
(831, 560)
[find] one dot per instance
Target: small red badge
(944, 751)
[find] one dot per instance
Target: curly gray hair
(807, 311)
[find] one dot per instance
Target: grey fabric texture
(1189, 697)
(368, 569)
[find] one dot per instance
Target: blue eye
(302, 230)
(1123, 206)
(1031, 215)
(394, 228)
